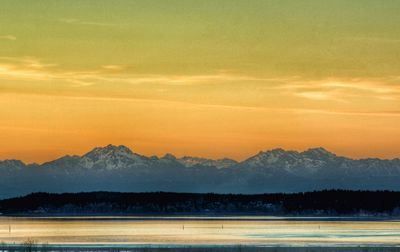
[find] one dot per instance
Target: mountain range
(117, 168)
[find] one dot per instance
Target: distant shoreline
(192, 248)
(318, 204)
(194, 217)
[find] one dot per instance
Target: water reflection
(172, 231)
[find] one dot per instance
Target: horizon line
(202, 157)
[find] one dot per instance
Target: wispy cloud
(323, 90)
(34, 69)
(340, 89)
(249, 108)
(314, 95)
(75, 21)
(373, 39)
(8, 37)
(27, 61)
(113, 67)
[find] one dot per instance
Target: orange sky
(224, 79)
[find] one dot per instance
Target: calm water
(199, 231)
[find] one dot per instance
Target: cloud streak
(341, 89)
(35, 69)
(30, 69)
(74, 21)
(372, 39)
(8, 37)
(219, 106)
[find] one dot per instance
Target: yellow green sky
(204, 78)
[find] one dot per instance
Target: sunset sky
(203, 78)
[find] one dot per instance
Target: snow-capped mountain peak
(109, 150)
(12, 163)
(169, 156)
(218, 163)
(318, 153)
(111, 157)
(270, 157)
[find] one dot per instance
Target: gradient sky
(205, 78)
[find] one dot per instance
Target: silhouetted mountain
(117, 168)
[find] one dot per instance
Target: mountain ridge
(111, 146)
(118, 168)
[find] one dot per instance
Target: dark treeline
(328, 202)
